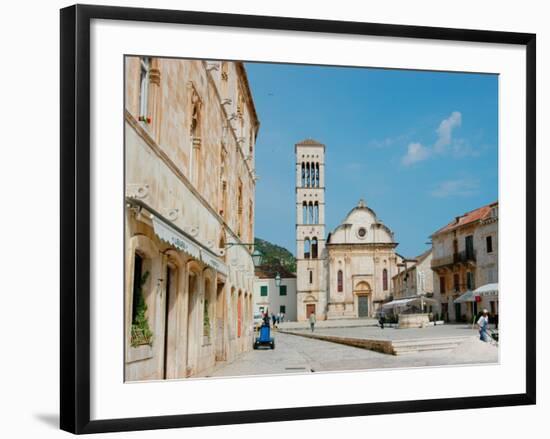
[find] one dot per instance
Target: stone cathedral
(347, 274)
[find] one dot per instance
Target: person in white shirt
(483, 325)
(312, 321)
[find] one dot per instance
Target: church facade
(347, 274)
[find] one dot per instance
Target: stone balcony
(463, 257)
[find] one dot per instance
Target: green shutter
(263, 290)
(282, 290)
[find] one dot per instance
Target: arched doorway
(310, 304)
(363, 293)
(220, 320)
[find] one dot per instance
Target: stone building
(348, 275)
(268, 297)
(465, 257)
(415, 278)
(361, 261)
(190, 132)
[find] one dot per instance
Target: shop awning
(487, 290)
(170, 235)
(468, 296)
(407, 302)
(213, 262)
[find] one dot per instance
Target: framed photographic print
(271, 218)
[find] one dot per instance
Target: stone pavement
(376, 333)
(343, 323)
(392, 340)
(295, 354)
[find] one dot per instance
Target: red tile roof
(473, 216)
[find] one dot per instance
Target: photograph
(302, 219)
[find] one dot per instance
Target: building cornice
(158, 151)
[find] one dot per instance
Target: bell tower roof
(309, 141)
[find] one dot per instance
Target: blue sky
(419, 147)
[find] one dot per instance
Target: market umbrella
(468, 296)
(487, 290)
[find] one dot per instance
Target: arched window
(317, 177)
(314, 248)
(311, 218)
(385, 279)
(303, 174)
(240, 210)
(307, 245)
(310, 276)
(340, 279)
(304, 213)
(316, 212)
(144, 88)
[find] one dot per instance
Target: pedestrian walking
(312, 321)
(282, 317)
(278, 318)
(273, 319)
(483, 325)
(381, 319)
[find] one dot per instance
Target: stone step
(401, 347)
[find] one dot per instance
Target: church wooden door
(363, 305)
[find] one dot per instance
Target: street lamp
(257, 258)
(277, 280)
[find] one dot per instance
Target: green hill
(275, 256)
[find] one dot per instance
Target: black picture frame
(75, 217)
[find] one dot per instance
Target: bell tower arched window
(307, 248)
(314, 247)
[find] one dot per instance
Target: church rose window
(362, 232)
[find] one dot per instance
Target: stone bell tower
(310, 229)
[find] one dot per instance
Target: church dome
(361, 226)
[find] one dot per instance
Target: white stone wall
(182, 177)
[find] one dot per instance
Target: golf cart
(264, 338)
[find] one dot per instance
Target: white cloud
(461, 148)
(389, 141)
(445, 131)
(451, 188)
(416, 152)
(445, 142)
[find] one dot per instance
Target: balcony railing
(456, 258)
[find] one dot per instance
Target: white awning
(407, 302)
(468, 296)
(487, 290)
(170, 235)
(213, 262)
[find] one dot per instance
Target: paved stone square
(296, 354)
(392, 333)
